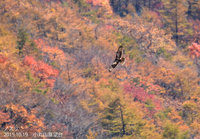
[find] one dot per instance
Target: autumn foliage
(4, 118)
(194, 50)
(98, 2)
(141, 95)
(54, 72)
(2, 59)
(54, 54)
(42, 70)
(19, 119)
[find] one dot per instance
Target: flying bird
(118, 59)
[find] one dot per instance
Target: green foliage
(25, 45)
(83, 6)
(164, 114)
(189, 112)
(92, 92)
(149, 104)
(29, 76)
(92, 15)
(55, 101)
(36, 86)
(131, 47)
(125, 40)
(118, 119)
(138, 128)
(37, 90)
(22, 37)
(111, 120)
(175, 20)
(162, 52)
(136, 80)
(65, 4)
(136, 55)
(171, 131)
(87, 72)
(112, 85)
(32, 49)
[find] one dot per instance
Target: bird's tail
(110, 69)
(122, 61)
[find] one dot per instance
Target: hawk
(118, 59)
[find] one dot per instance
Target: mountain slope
(54, 57)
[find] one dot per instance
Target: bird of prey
(118, 59)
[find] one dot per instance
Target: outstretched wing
(114, 64)
(118, 58)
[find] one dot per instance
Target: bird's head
(120, 47)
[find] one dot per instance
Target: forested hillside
(54, 60)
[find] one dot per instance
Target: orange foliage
(2, 59)
(4, 117)
(163, 75)
(194, 50)
(195, 127)
(104, 3)
(98, 2)
(19, 118)
(30, 61)
(54, 53)
(176, 118)
(42, 70)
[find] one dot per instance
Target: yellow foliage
(7, 41)
(91, 135)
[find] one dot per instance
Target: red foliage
(194, 50)
(40, 43)
(42, 70)
(30, 61)
(2, 59)
(54, 54)
(139, 94)
(109, 27)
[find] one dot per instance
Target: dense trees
(193, 9)
(54, 71)
(175, 20)
(42, 70)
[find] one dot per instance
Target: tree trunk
(149, 4)
(68, 73)
(122, 120)
(189, 11)
(176, 24)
